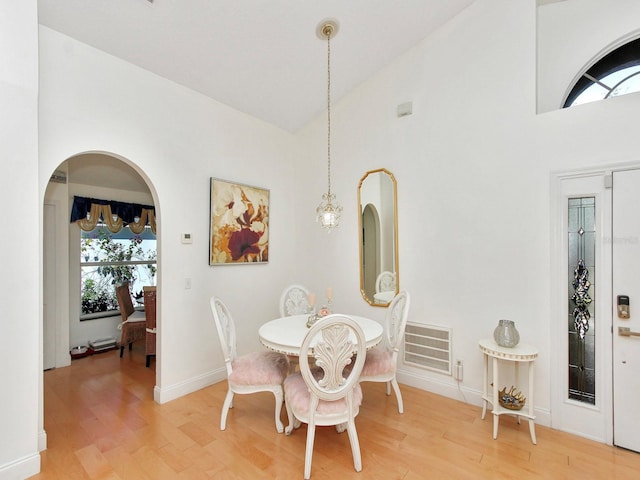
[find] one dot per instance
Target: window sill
(110, 313)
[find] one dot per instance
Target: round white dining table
(285, 334)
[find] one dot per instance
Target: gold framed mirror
(378, 237)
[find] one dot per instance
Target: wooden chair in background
(133, 324)
(150, 324)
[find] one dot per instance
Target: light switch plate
(186, 238)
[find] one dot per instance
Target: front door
(626, 318)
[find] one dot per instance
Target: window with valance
(117, 245)
(87, 212)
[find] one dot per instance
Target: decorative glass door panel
(581, 291)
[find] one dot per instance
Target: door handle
(626, 332)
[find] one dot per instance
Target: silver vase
(506, 334)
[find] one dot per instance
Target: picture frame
(238, 223)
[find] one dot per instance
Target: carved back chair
(262, 371)
(319, 394)
(381, 362)
(294, 301)
(386, 282)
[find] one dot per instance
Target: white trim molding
(166, 394)
(24, 467)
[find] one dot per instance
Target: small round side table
(521, 353)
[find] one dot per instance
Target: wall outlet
(457, 371)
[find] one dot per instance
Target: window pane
(630, 85)
(591, 94)
(613, 75)
(107, 259)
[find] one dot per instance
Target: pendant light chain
(329, 211)
(329, 31)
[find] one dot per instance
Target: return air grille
(428, 346)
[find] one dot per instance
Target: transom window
(617, 73)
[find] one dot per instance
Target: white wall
(21, 299)
(473, 166)
(57, 194)
(472, 224)
(176, 139)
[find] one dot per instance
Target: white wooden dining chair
(386, 282)
(319, 394)
(382, 361)
(262, 371)
(294, 301)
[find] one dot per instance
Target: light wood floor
(102, 423)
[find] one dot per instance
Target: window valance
(87, 212)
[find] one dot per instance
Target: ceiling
(261, 57)
(102, 171)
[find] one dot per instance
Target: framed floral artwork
(239, 224)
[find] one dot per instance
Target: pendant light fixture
(329, 211)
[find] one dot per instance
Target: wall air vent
(428, 346)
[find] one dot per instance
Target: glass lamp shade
(328, 212)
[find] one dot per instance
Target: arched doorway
(96, 175)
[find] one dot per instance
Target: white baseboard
(42, 441)
(451, 389)
(22, 468)
(446, 387)
(177, 390)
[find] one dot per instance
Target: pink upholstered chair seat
(379, 361)
(298, 395)
(259, 368)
